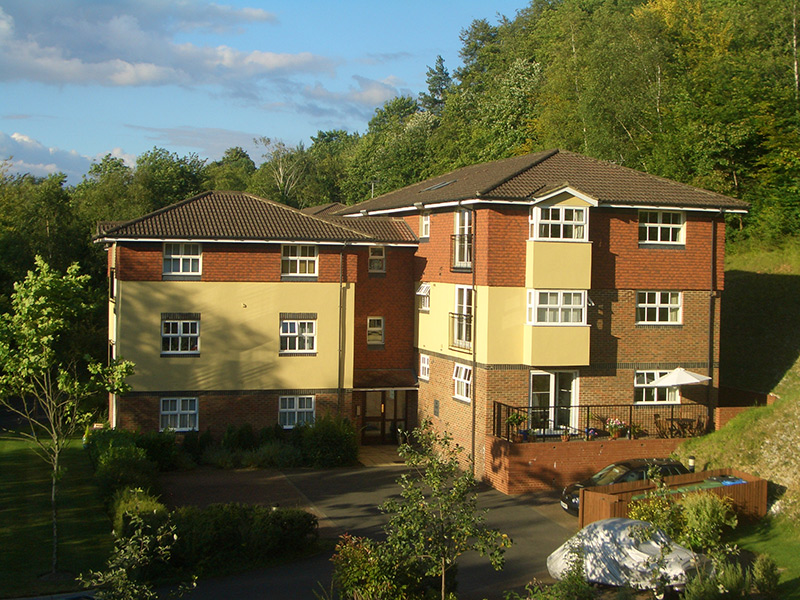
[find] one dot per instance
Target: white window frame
(182, 259)
(425, 225)
(299, 260)
(556, 307)
(662, 227)
(178, 414)
(424, 294)
(462, 382)
(424, 367)
(659, 307)
(376, 325)
(377, 259)
(462, 226)
(645, 394)
(462, 328)
(300, 333)
(296, 409)
(183, 332)
(559, 223)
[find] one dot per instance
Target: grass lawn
(781, 541)
(26, 526)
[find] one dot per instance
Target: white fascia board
(295, 242)
(449, 204)
(567, 190)
(677, 208)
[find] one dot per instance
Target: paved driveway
(346, 500)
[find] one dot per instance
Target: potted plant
(615, 427)
(516, 420)
(565, 435)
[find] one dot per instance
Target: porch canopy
(678, 377)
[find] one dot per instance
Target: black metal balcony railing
(596, 421)
(460, 331)
(461, 252)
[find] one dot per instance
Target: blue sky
(84, 78)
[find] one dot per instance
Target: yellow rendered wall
(239, 335)
(558, 265)
(556, 346)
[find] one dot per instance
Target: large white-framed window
(556, 307)
(662, 227)
(377, 259)
(298, 336)
(424, 367)
(293, 410)
(461, 319)
(180, 334)
(298, 260)
(375, 330)
(462, 382)
(424, 295)
(659, 308)
(178, 414)
(462, 239)
(182, 258)
(645, 394)
(569, 223)
(425, 225)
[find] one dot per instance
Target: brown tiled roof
(324, 209)
(532, 175)
(240, 216)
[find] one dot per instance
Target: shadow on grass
(760, 320)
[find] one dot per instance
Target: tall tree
(439, 84)
(282, 175)
(162, 178)
(232, 172)
(43, 377)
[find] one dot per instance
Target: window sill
(663, 245)
(179, 277)
(297, 353)
(376, 347)
(658, 325)
(180, 355)
(462, 400)
(285, 277)
(377, 274)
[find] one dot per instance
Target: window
(462, 378)
(643, 393)
(179, 414)
(377, 259)
(658, 307)
(180, 336)
(298, 261)
(461, 320)
(295, 409)
(424, 367)
(182, 258)
(556, 307)
(375, 330)
(462, 240)
(424, 294)
(298, 336)
(425, 225)
(558, 223)
(660, 227)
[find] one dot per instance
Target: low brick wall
(516, 468)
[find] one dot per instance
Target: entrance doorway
(385, 412)
(553, 400)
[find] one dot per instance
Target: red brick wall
(502, 235)
(619, 262)
(391, 296)
(217, 410)
(232, 262)
(519, 468)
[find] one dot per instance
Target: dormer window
(567, 223)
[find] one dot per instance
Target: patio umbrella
(679, 376)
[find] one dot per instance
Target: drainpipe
(342, 333)
(712, 304)
(474, 336)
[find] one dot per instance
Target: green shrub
(239, 438)
(289, 456)
(330, 442)
(220, 457)
(729, 580)
(706, 516)
(195, 443)
(124, 467)
(765, 575)
(130, 502)
(661, 511)
(99, 441)
(227, 534)
(161, 448)
(271, 434)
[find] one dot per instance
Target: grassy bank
(26, 527)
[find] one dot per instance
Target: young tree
(43, 378)
(436, 519)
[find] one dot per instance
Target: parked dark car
(619, 472)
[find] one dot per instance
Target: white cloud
(26, 155)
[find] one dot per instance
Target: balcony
(596, 422)
(460, 332)
(461, 252)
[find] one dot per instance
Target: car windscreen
(608, 475)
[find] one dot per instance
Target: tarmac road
(346, 500)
